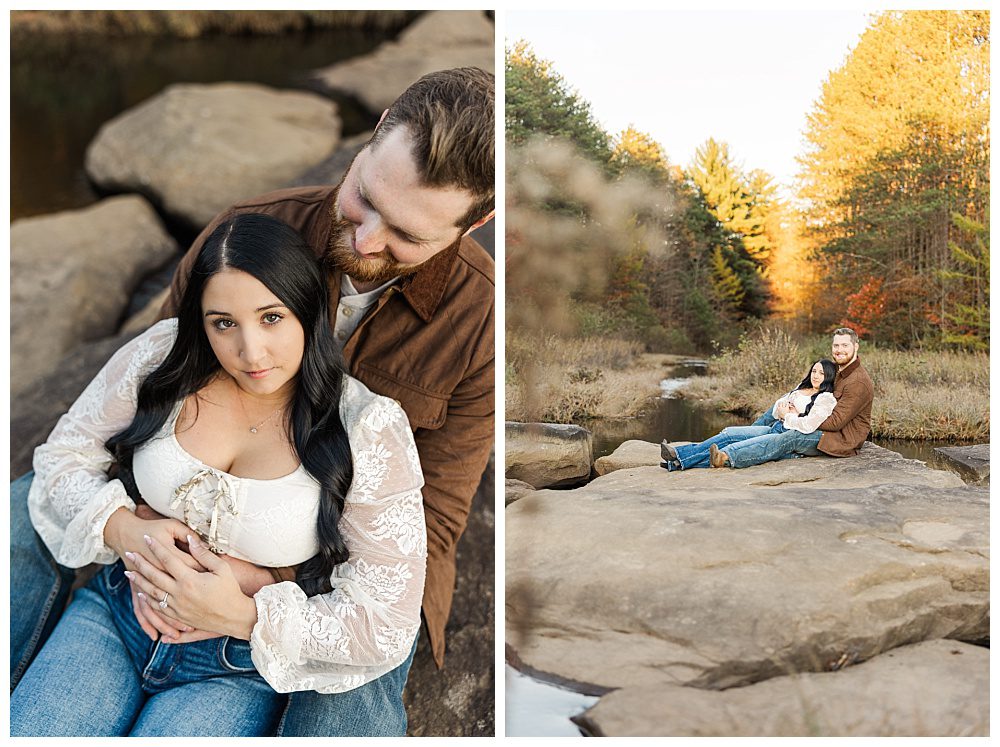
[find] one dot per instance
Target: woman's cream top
(332, 642)
(822, 409)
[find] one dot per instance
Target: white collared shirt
(353, 307)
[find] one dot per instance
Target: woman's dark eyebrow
(212, 312)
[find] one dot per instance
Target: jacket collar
(425, 288)
(844, 373)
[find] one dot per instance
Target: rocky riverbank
(768, 594)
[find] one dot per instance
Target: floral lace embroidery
(403, 522)
(370, 469)
(386, 583)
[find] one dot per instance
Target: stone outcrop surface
(34, 413)
(437, 40)
(973, 461)
(548, 454)
(630, 454)
(72, 274)
(936, 688)
(196, 149)
(514, 489)
(721, 578)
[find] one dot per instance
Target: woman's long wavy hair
(277, 256)
(829, 374)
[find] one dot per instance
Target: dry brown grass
(570, 380)
(918, 395)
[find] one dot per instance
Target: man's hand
(780, 410)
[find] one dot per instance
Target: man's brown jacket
(427, 343)
(848, 426)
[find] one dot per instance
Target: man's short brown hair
(847, 331)
(449, 115)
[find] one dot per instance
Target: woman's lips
(259, 374)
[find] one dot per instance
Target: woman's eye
(221, 324)
(272, 318)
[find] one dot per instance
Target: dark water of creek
(681, 420)
(62, 89)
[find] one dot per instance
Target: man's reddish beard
(379, 269)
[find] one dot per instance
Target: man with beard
(841, 435)
(412, 303)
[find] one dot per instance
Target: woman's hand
(154, 622)
(208, 601)
(124, 532)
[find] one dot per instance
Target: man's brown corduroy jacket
(427, 343)
(845, 431)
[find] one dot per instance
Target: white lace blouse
(332, 642)
(822, 409)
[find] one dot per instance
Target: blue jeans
(99, 674)
(696, 455)
(39, 588)
(771, 447)
(767, 418)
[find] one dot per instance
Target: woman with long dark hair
(238, 424)
(802, 409)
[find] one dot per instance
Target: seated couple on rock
(828, 413)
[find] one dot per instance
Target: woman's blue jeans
(697, 455)
(39, 588)
(99, 674)
(773, 446)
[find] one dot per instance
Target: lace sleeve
(71, 496)
(822, 408)
(366, 625)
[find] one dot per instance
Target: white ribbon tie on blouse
(196, 508)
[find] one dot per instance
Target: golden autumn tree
(897, 143)
(636, 151)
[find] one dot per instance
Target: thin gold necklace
(253, 428)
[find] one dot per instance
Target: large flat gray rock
(720, 578)
(931, 689)
(196, 149)
(971, 460)
(629, 454)
(72, 274)
(547, 454)
(438, 40)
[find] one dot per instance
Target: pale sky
(744, 77)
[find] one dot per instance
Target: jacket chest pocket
(424, 408)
